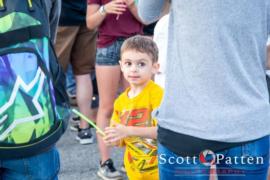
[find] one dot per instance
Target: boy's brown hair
(141, 44)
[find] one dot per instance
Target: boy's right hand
(108, 142)
(113, 135)
(107, 138)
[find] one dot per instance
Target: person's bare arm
(133, 9)
(151, 10)
(166, 8)
(268, 57)
(94, 18)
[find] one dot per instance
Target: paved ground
(80, 162)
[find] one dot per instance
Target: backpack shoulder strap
(21, 35)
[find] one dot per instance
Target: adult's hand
(115, 7)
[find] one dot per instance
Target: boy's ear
(155, 68)
(120, 63)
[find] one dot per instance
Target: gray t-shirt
(215, 86)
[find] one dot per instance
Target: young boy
(132, 124)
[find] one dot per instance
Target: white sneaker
(107, 171)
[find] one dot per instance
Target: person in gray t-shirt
(216, 96)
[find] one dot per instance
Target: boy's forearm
(146, 132)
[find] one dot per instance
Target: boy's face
(137, 67)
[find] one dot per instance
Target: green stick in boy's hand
(89, 121)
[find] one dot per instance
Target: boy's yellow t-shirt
(141, 153)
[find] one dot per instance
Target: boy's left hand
(115, 134)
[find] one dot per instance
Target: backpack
(33, 101)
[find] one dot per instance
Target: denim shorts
(44, 166)
(246, 162)
(109, 56)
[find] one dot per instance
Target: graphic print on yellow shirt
(141, 153)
